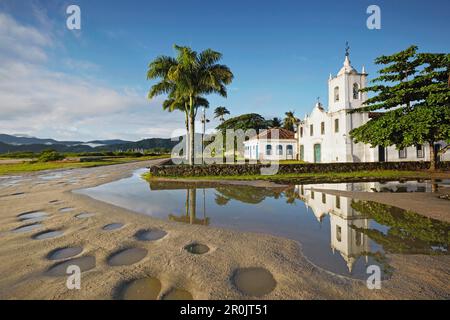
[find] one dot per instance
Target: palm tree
(173, 103)
(191, 75)
(290, 120)
(275, 122)
(220, 112)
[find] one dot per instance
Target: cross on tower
(347, 49)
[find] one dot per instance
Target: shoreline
(205, 276)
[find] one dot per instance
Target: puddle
(197, 248)
(48, 234)
(142, 289)
(113, 226)
(150, 234)
(339, 234)
(255, 282)
(84, 215)
(66, 209)
(64, 253)
(26, 228)
(126, 257)
(60, 269)
(33, 215)
(178, 294)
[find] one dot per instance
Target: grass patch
(326, 176)
(39, 166)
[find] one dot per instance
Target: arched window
(289, 150)
(269, 150)
(355, 91)
(279, 150)
(336, 94)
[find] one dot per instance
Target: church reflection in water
(345, 222)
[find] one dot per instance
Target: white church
(323, 135)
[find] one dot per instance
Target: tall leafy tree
(290, 120)
(413, 95)
(245, 122)
(221, 112)
(192, 75)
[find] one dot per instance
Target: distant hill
(26, 145)
(21, 140)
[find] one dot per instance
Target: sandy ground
(24, 260)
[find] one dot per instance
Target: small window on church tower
(322, 128)
(355, 91)
(311, 130)
(336, 94)
(336, 125)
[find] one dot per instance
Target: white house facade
(272, 145)
(323, 136)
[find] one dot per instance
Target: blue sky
(91, 83)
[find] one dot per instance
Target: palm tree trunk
(192, 131)
(187, 155)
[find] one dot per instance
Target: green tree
(290, 120)
(220, 112)
(190, 74)
(244, 122)
(413, 94)
(275, 122)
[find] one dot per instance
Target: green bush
(50, 155)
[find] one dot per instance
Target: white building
(272, 144)
(323, 136)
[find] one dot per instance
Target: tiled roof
(283, 134)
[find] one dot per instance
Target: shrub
(50, 155)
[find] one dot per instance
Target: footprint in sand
(142, 289)
(59, 269)
(150, 234)
(26, 228)
(178, 294)
(254, 281)
(84, 215)
(47, 234)
(112, 226)
(196, 248)
(127, 256)
(33, 216)
(64, 253)
(66, 209)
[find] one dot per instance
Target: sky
(91, 83)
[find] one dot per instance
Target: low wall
(254, 169)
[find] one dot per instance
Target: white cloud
(39, 101)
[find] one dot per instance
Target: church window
(301, 132)
(279, 150)
(312, 194)
(336, 94)
(338, 202)
(336, 125)
(358, 238)
(355, 91)
(338, 233)
(322, 127)
(268, 149)
(302, 153)
(402, 153)
(289, 150)
(324, 198)
(311, 130)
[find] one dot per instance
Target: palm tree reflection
(190, 215)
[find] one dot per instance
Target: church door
(381, 154)
(317, 153)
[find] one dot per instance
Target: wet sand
(28, 273)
